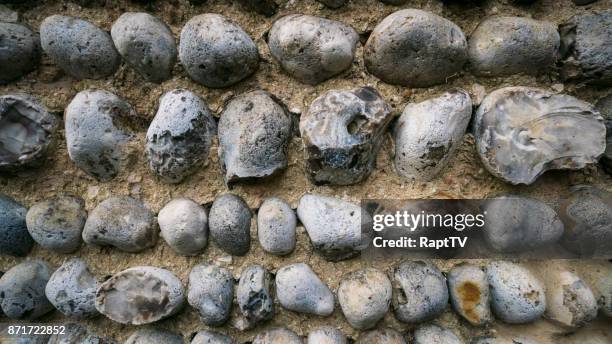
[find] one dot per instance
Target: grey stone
(229, 222)
(146, 44)
(522, 132)
(276, 223)
(570, 301)
(211, 292)
(96, 135)
(299, 289)
(320, 213)
(587, 215)
(326, 335)
(56, 223)
(154, 336)
(78, 334)
(140, 295)
(22, 290)
(209, 337)
(254, 294)
(434, 334)
(432, 296)
(27, 339)
(517, 296)
(265, 7)
(254, 133)
(469, 293)
(79, 47)
(179, 137)
(342, 133)
(415, 48)
(122, 222)
(428, 133)
(216, 52)
(184, 225)
(14, 237)
(20, 52)
(276, 336)
(26, 131)
(502, 340)
(382, 336)
(72, 290)
(7, 15)
(585, 56)
(518, 224)
(604, 106)
(333, 3)
(365, 296)
(312, 49)
(501, 46)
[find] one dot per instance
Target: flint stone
(320, 213)
(427, 134)
(522, 132)
(502, 46)
(254, 294)
(342, 132)
(20, 52)
(254, 133)
(211, 292)
(571, 303)
(429, 302)
(209, 337)
(517, 296)
(72, 290)
(179, 137)
(326, 335)
(140, 295)
(229, 221)
(122, 222)
(312, 49)
(299, 289)
(216, 52)
(365, 296)
(96, 135)
(26, 131)
(154, 336)
(604, 106)
(79, 47)
(276, 223)
(15, 240)
(184, 225)
(382, 336)
(146, 44)
(469, 294)
(434, 334)
(415, 48)
(22, 290)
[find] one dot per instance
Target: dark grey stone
(276, 223)
(22, 290)
(72, 290)
(229, 222)
(211, 292)
(430, 300)
(15, 240)
(20, 51)
(299, 289)
(365, 296)
(184, 225)
(254, 294)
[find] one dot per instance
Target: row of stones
(419, 293)
(409, 47)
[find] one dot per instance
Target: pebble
(27, 131)
(584, 56)
(229, 221)
(326, 335)
(434, 334)
(96, 135)
(518, 224)
(501, 46)
(254, 294)
(211, 292)
(365, 296)
(209, 337)
(79, 47)
(56, 223)
(587, 215)
(342, 133)
(122, 222)
(522, 132)
(429, 302)
(312, 49)
(22, 290)
(415, 48)
(428, 133)
(320, 213)
(180, 136)
(604, 106)
(146, 44)
(72, 290)
(14, 237)
(265, 7)
(517, 296)
(570, 301)
(299, 289)
(276, 336)
(20, 52)
(154, 336)
(140, 295)
(469, 293)
(382, 336)
(184, 225)
(216, 52)
(276, 223)
(501, 340)
(254, 133)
